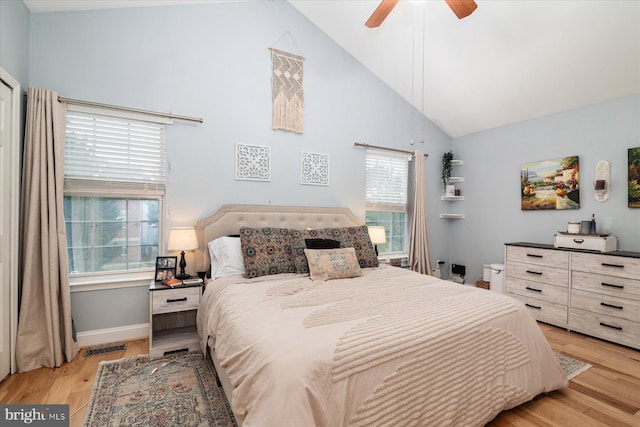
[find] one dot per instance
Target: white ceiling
(511, 60)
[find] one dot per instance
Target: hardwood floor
(71, 383)
(608, 394)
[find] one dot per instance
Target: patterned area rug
(572, 366)
(179, 389)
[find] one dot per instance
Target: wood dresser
(595, 293)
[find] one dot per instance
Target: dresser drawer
(608, 265)
(606, 285)
(621, 308)
(538, 273)
(606, 327)
(548, 257)
(543, 291)
(172, 300)
(544, 311)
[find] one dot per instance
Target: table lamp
(377, 235)
(182, 239)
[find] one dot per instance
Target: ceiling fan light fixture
(462, 8)
(382, 11)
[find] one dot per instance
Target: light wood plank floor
(608, 394)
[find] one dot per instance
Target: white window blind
(114, 155)
(387, 176)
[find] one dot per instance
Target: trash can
(497, 278)
(486, 273)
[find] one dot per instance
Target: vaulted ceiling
(507, 62)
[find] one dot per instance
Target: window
(114, 187)
(386, 197)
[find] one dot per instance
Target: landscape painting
(634, 177)
(550, 184)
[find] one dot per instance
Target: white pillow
(226, 257)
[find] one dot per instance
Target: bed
(356, 345)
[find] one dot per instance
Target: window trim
(103, 281)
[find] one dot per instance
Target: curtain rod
(363, 144)
(128, 109)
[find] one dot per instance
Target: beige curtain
(45, 333)
(419, 243)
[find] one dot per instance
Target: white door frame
(14, 201)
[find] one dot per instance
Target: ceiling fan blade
(381, 12)
(462, 8)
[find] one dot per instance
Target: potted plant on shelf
(446, 168)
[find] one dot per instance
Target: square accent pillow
(356, 237)
(226, 257)
(266, 251)
(326, 264)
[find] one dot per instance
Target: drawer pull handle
(534, 255)
(533, 306)
(534, 272)
(604, 304)
(578, 240)
(534, 289)
(176, 299)
(612, 286)
(606, 264)
(619, 328)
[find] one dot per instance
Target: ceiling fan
(462, 9)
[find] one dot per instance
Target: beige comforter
(392, 347)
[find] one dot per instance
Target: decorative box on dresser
(172, 318)
(600, 290)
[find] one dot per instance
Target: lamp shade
(182, 239)
(377, 234)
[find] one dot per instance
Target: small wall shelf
(452, 216)
(453, 180)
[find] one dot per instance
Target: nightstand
(172, 318)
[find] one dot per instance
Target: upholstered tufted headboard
(229, 218)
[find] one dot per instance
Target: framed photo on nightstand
(165, 267)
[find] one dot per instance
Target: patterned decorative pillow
(326, 264)
(266, 251)
(349, 237)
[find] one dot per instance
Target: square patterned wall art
(314, 169)
(253, 162)
(550, 184)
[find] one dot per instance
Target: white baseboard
(106, 336)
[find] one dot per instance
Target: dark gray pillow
(322, 243)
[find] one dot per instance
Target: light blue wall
(212, 61)
(14, 40)
(491, 170)
(14, 45)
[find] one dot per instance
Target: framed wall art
(634, 177)
(550, 184)
(314, 169)
(253, 162)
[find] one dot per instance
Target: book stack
(172, 283)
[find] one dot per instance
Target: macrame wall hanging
(287, 91)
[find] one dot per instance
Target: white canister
(486, 273)
(573, 228)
